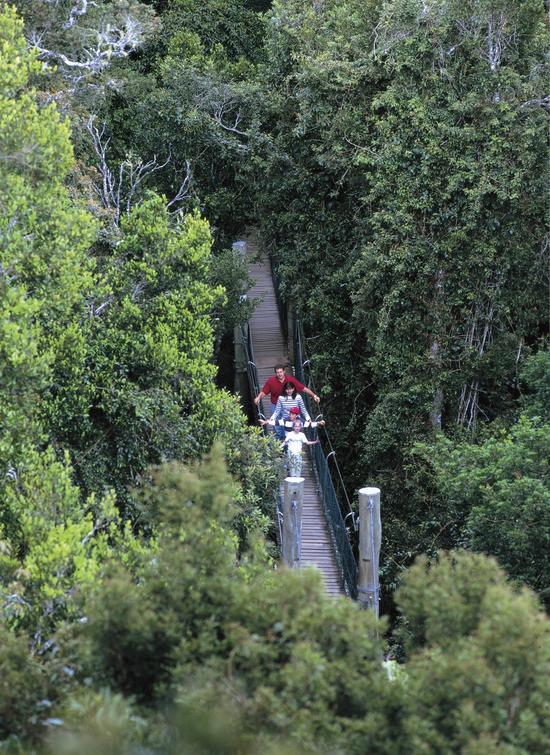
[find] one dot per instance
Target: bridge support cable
(332, 509)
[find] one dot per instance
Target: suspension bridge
(266, 341)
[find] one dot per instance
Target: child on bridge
(294, 441)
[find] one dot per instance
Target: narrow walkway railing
(251, 369)
(303, 361)
(333, 512)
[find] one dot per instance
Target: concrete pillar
(370, 537)
(292, 521)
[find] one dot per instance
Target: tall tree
(405, 199)
(45, 273)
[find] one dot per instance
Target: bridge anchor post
(292, 521)
(370, 537)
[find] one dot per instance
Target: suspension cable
(332, 452)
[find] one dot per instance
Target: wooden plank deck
(270, 348)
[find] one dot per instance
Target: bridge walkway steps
(270, 348)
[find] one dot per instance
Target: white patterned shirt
(295, 441)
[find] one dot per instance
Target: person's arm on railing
(314, 396)
(259, 397)
(264, 392)
(278, 412)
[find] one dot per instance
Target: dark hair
(279, 366)
(286, 385)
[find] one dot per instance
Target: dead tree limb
(110, 42)
(118, 188)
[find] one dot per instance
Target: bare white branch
(539, 102)
(497, 40)
(96, 311)
(101, 525)
(117, 191)
(139, 288)
(138, 172)
(183, 191)
(110, 42)
(478, 338)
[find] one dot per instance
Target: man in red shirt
(274, 387)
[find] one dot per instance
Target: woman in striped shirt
(287, 401)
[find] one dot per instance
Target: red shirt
(274, 386)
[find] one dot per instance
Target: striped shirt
(285, 404)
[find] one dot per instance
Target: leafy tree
(493, 494)
(189, 625)
(22, 686)
(500, 492)
(77, 41)
(192, 89)
(54, 544)
(143, 390)
(401, 134)
(46, 274)
(536, 378)
(295, 666)
(230, 26)
(183, 592)
(477, 650)
(393, 151)
(196, 618)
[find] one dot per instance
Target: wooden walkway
(270, 348)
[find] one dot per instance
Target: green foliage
(54, 543)
(501, 487)
(108, 723)
(99, 722)
(190, 627)
(475, 681)
(230, 270)
(142, 390)
(183, 592)
(105, 368)
(284, 662)
(45, 274)
(192, 89)
(194, 619)
(536, 376)
(226, 28)
(404, 199)
(78, 43)
(393, 152)
(22, 685)
(297, 662)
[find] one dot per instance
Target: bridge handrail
(251, 369)
(329, 498)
